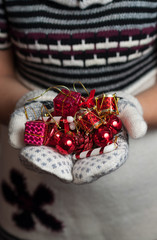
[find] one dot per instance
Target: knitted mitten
(130, 112)
(42, 159)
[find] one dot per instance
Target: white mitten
(42, 159)
(91, 168)
(46, 159)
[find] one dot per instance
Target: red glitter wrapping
(88, 120)
(35, 132)
(66, 103)
(106, 103)
(88, 102)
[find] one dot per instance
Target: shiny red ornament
(55, 138)
(66, 145)
(114, 123)
(102, 136)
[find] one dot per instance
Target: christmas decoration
(114, 123)
(66, 103)
(66, 144)
(79, 126)
(106, 103)
(88, 120)
(102, 136)
(83, 142)
(95, 151)
(35, 132)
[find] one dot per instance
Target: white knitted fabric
(81, 3)
(131, 114)
(46, 159)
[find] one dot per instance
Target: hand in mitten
(42, 159)
(46, 159)
(92, 168)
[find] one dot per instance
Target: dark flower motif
(29, 204)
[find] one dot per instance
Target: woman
(109, 46)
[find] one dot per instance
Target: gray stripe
(92, 70)
(104, 79)
(111, 17)
(84, 12)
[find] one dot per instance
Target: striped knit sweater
(106, 44)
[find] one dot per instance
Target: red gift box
(66, 103)
(106, 103)
(35, 132)
(88, 120)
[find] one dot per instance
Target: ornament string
(79, 82)
(49, 89)
(26, 114)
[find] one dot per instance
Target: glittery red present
(88, 120)
(35, 132)
(66, 103)
(106, 103)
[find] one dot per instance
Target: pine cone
(83, 142)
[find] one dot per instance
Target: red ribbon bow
(88, 102)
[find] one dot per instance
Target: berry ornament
(114, 123)
(66, 145)
(102, 136)
(54, 140)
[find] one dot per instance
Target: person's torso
(108, 46)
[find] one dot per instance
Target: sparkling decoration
(106, 103)
(102, 136)
(66, 103)
(35, 132)
(87, 119)
(83, 142)
(55, 138)
(114, 123)
(79, 126)
(66, 145)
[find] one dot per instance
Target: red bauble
(102, 136)
(114, 123)
(54, 140)
(66, 145)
